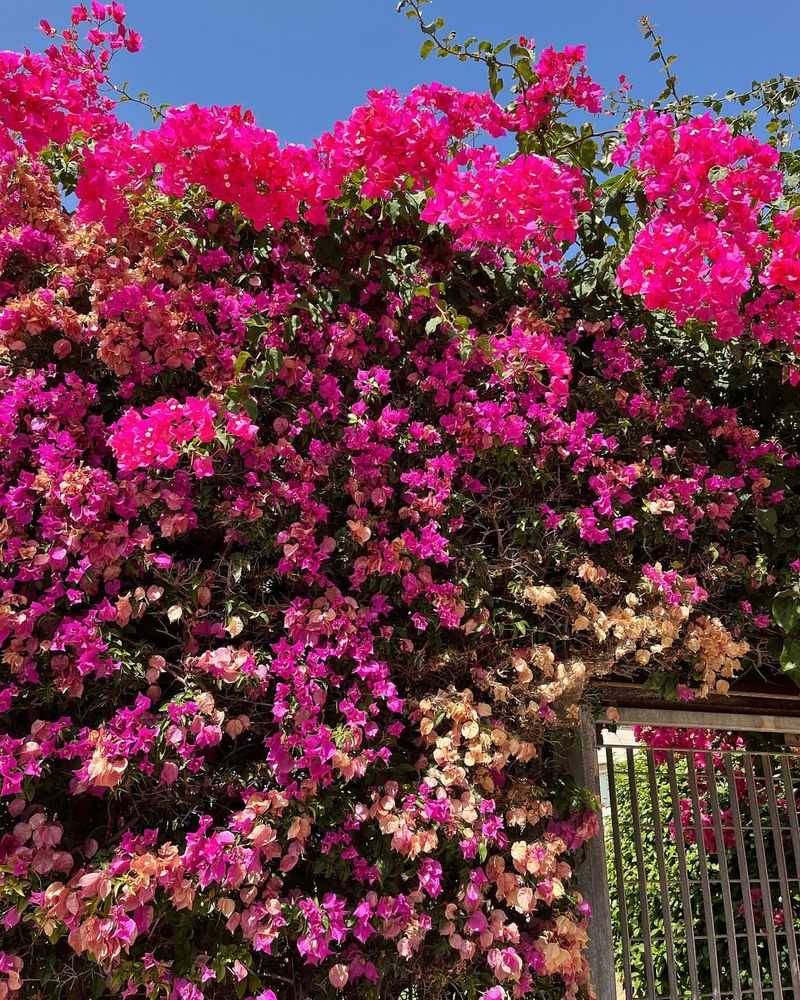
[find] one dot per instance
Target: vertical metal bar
(783, 875)
(623, 908)
(701, 856)
(727, 902)
(662, 880)
(744, 878)
(680, 846)
(763, 875)
(644, 902)
(791, 807)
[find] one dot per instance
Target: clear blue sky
(302, 64)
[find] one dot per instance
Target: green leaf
(432, 324)
(790, 659)
(426, 48)
(525, 70)
(587, 153)
(768, 520)
(274, 359)
(785, 610)
(495, 80)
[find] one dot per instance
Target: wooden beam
(622, 694)
(688, 719)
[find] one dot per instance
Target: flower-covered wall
(331, 477)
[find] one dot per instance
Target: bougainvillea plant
(330, 478)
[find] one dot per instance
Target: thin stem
(649, 32)
(582, 138)
(156, 112)
(462, 52)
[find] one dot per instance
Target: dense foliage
(332, 475)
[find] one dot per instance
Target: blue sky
(302, 64)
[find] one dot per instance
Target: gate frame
(592, 873)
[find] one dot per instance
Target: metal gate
(703, 865)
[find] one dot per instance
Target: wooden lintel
(622, 695)
(691, 719)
